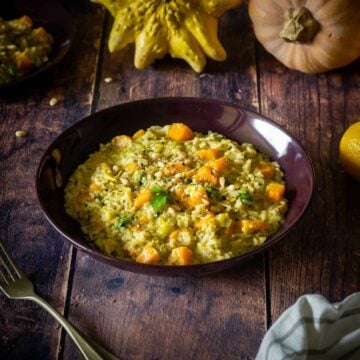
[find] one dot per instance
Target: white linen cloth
(314, 329)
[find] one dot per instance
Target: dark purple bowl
(49, 14)
(235, 122)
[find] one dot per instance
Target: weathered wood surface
(218, 317)
(26, 331)
(222, 316)
(322, 255)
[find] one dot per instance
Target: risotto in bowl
(168, 195)
(182, 190)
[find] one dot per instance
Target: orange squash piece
(179, 132)
(232, 228)
(180, 195)
(138, 134)
(23, 61)
(131, 167)
(143, 197)
(93, 187)
(25, 21)
(207, 154)
(253, 226)
(174, 235)
(41, 35)
(204, 174)
(220, 164)
(275, 192)
(181, 256)
(149, 255)
(267, 171)
(83, 197)
(121, 141)
(205, 222)
(196, 197)
(174, 168)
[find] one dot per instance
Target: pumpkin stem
(299, 26)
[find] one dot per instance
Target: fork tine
(4, 265)
(4, 278)
(7, 268)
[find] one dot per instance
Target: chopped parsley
(213, 192)
(156, 189)
(160, 198)
(125, 219)
(245, 196)
(12, 70)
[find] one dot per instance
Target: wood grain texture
(27, 332)
(232, 80)
(322, 254)
(141, 317)
(222, 316)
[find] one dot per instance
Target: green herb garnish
(156, 189)
(12, 70)
(160, 199)
(125, 219)
(245, 196)
(211, 191)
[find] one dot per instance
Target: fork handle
(88, 348)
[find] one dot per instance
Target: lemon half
(349, 150)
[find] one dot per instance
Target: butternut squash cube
(179, 132)
(149, 255)
(275, 192)
(181, 256)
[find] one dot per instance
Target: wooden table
(222, 316)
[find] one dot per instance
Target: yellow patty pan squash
(311, 36)
(185, 29)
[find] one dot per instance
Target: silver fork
(15, 285)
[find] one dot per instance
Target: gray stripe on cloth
(323, 351)
(309, 320)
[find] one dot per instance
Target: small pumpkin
(186, 29)
(308, 35)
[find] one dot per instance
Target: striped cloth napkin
(314, 329)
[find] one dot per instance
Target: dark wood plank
(27, 332)
(322, 254)
(232, 80)
(141, 317)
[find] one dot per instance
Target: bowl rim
(184, 269)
